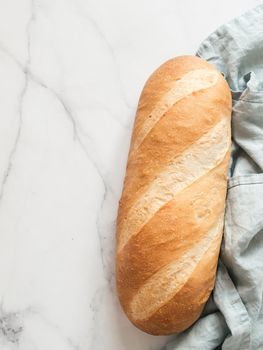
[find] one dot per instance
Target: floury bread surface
(171, 212)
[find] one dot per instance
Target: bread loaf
(170, 219)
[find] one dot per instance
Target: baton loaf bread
(171, 212)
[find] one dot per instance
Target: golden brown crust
(178, 129)
(160, 241)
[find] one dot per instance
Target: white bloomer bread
(171, 212)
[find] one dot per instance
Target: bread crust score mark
(173, 276)
(191, 82)
(193, 163)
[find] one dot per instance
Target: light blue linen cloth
(233, 317)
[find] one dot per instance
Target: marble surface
(71, 72)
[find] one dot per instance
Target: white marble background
(70, 76)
